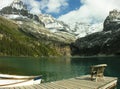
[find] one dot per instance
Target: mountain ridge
(18, 4)
(106, 42)
(16, 42)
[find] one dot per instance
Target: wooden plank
(29, 87)
(93, 83)
(79, 85)
(67, 84)
(75, 84)
(84, 83)
(8, 88)
(46, 86)
(17, 88)
(110, 84)
(54, 85)
(12, 88)
(36, 86)
(20, 87)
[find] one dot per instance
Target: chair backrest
(98, 69)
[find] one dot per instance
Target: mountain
(20, 29)
(43, 35)
(29, 39)
(76, 29)
(80, 29)
(18, 10)
(84, 29)
(53, 24)
(106, 42)
(112, 21)
(15, 42)
(19, 5)
(57, 27)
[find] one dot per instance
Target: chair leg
(91, 77)
(96, 79)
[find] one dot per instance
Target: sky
(86, 11)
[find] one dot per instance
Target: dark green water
(54, 69)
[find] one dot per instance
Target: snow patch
(13, 16)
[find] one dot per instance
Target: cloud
(53, 6)
(91, 11)
(33, 6)
(48, 6)
(4, 3)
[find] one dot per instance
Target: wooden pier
(83, 82)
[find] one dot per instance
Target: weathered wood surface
(83, 82)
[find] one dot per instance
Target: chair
(98, 71)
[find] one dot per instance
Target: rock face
(106, 42)
(112, 21)
(84, 29)
(53, 24)
(18, 10)
(18, 4)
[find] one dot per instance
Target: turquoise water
(55, 68)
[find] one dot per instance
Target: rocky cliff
(106, 42)
(112, 22)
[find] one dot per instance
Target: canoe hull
(14, 80)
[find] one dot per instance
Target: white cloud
(48, 6)
(4, 3)
(91, 11)
(34, 6)
(56, 5)
(53, 6)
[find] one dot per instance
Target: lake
(57, 68)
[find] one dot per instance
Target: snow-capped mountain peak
(84, 29)
(80, 29)
(18, 4)
(53, 24)
(17, 10)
